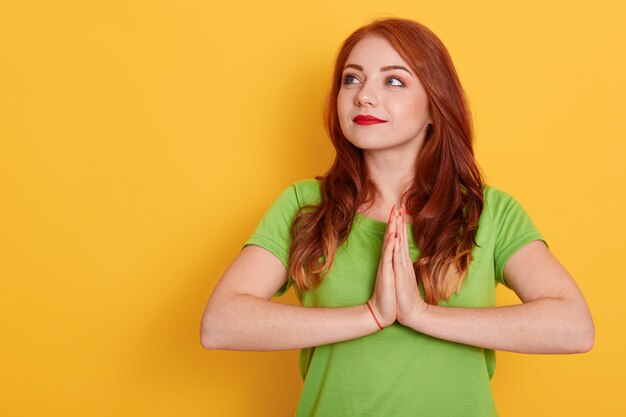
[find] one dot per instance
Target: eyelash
(348, 74)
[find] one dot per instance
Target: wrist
(418, 317)
(375, 317)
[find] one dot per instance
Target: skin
(553, 317)
(388, 147)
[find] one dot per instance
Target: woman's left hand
(410, 304)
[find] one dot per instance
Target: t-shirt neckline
(372, 223)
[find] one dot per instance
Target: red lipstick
(363, 119)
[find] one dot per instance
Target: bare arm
(240, 316)
(554, 317)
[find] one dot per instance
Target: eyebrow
(386, 68)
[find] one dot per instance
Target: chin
(369, 145)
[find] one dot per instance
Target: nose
(366, 95)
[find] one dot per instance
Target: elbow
(587, 339)
(581, 331)
(213, 326)
(589, 333)
(206, 339)
(207, 332)
(586, 336)
(204, 336)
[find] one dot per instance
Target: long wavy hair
(445, 198)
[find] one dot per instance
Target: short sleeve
(273, 231)
(513, 228)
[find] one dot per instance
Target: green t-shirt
(396, 372)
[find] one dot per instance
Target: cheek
(341, 102)
(341, 110)
(418, 109)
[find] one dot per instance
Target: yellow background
(141, 142)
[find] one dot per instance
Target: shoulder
(295, 195)
(506, 211)
(308, 191)
(494, 194)
(497, 200)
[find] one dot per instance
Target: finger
(397, 258)
(389, 222)
(386, 240)
(399, 273)
(388, 272)
(396, 229)
(398, 221)
(388, 254)
(407, 252)
(408, 262)
(401, 238)
(383, 257)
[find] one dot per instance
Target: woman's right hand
(383, 301)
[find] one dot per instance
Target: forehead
(375, 52)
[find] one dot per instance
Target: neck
(392, 173)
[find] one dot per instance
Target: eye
(348, 77)
(399, 83)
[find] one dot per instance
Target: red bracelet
(372, 311)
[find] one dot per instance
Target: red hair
(445, 199)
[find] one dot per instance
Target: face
(377, 82)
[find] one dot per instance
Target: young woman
(396, 251)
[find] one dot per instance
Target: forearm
(245, 322)
(547, 325)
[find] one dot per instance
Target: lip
(363, 119)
